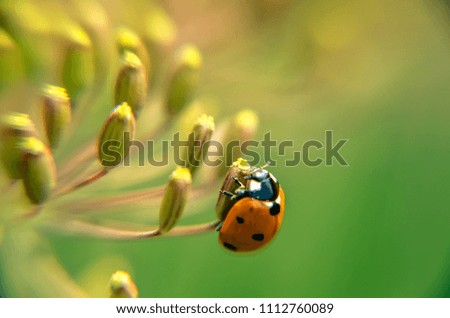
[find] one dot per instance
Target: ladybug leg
(219, 227)
(227, 193)
(242, 193)
(232, 196)
(238, 182)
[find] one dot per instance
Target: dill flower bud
(239, 170)
(116, 136)
(14, 128)
(39, 173)
(199, 140)
(131, 84)
(159, 34)
(184, 79)
(129, 41)
(160, 29)
(175, 199)
(122, 286)
(245, 124)
(78, 65)
(243, 127)
(57, 113)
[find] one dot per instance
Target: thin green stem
(89, 152)
(93, 178)
(118, 200)
(33, 213)
(128, 198)
(8, 187)
(99, 231)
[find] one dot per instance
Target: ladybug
(255, 218)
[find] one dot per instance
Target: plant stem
(99, 231)
(95, 177)
(108, 202)
(89, 152)
(33, 213)
(8, 186)
(118, 200)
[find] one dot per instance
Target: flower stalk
(113, 144)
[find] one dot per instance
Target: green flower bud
(131, 84)
(122, 286)
(239, 170)
(243, 127)
(78, 67)
(184, 79)
(175, 199)
(159, 34)
(160, 28)
(129, 41)
(57, 113)
(39, 173)
(27, 23)
(116, 136)
(198, 145)
(14, 128)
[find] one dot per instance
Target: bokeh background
(376, 72)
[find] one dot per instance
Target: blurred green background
(375, 72)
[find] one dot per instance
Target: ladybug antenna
(266, 165)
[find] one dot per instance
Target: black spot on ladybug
(275, 209)
(258, 237)
(239, 220)
(251, 209)
(229, 246)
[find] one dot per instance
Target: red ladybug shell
(249, 225)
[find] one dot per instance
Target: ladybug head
(258, 174)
